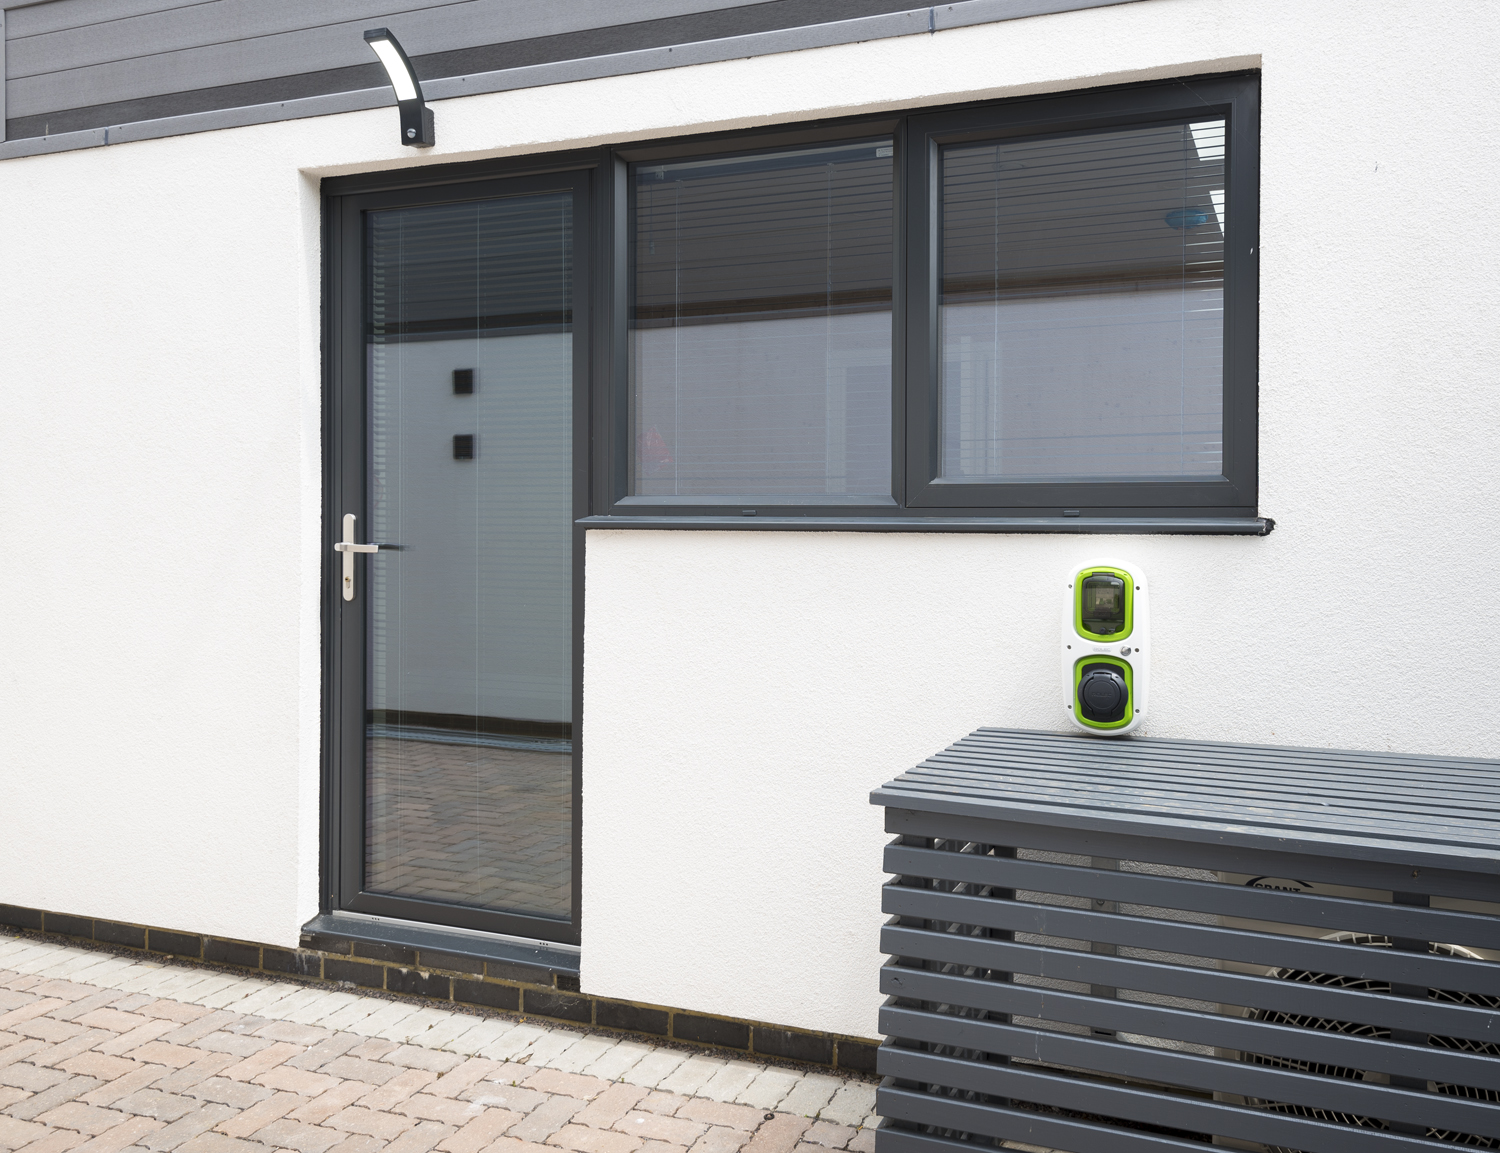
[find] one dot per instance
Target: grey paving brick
(196, 1073)
(24, 1075)
(202, 1027)
(72, 1047)
(512, 1097)
(218, 1143)
(88, 1119)
(358, 1069)
(184, 1129)
(289, 1134)
(240, 1094)
(421, 1139)
(68, 1090)
(87, 1004)
(112, 1091)
(546, 1119)
(222, 1041)
(295, 1033)
(155, 1103)
(325, 1051)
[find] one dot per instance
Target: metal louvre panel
(1197, 940)
(1082, 960)
(1240, 989)
(1104, 1101)
(1433, 1064)
(1187, 1070)
(1330, 913)
(1109, 839)
(1014, 1124)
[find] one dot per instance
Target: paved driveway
(101, 1052)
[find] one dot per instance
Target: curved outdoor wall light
(416, 117)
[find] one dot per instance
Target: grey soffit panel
(1423, 811)
(557, 60)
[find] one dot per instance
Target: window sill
(1182, 526)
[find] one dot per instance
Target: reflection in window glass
(761, 326)
(1082, 305)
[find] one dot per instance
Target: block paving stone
(102, 1054)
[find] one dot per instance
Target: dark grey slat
(1227, 1032)
(1209, 750)
(1311, 798)
(1124, 790)
(1183, 937)
(1427, 793)
(111, 31)
(140, 70)
(1232, 762)
(1136, 844)
(1413, 853)
(36, 17)
(1194, 1072)
(1044, 745)
(1129, 1104)
(1018, 1125)
(1332, 914)
(1380, 1010)
(1240, 811)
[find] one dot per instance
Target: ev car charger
(1106, 653)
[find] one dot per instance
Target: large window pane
(1082, 305)
(469, 725)
(761, 326)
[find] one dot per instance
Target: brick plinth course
(104, 1053)
(448, 978)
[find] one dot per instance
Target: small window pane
(1082, 306)
(761, 326)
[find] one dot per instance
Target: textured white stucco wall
(160, 495)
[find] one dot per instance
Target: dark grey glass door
(457, 602)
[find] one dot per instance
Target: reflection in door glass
(469, 742)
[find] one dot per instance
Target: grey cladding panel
(317, 65)
(224, 42)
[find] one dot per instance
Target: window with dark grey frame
(1036, 309)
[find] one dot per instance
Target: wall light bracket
(416, 117)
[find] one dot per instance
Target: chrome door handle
(349, 548)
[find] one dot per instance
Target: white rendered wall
(160, 495)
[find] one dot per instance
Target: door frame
(345, 200)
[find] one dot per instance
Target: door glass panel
(468, 777)
(1082, 305)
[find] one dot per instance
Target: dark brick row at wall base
(461, 980)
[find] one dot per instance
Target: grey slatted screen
(1103, 946)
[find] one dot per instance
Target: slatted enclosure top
(1148, 945)
(1440, 811)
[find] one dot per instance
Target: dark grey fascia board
(550, 955)
(1181, 526)
(915, 21)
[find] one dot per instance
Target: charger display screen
(1102, 604)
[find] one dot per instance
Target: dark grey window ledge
(549, 955)
(1180, 526)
